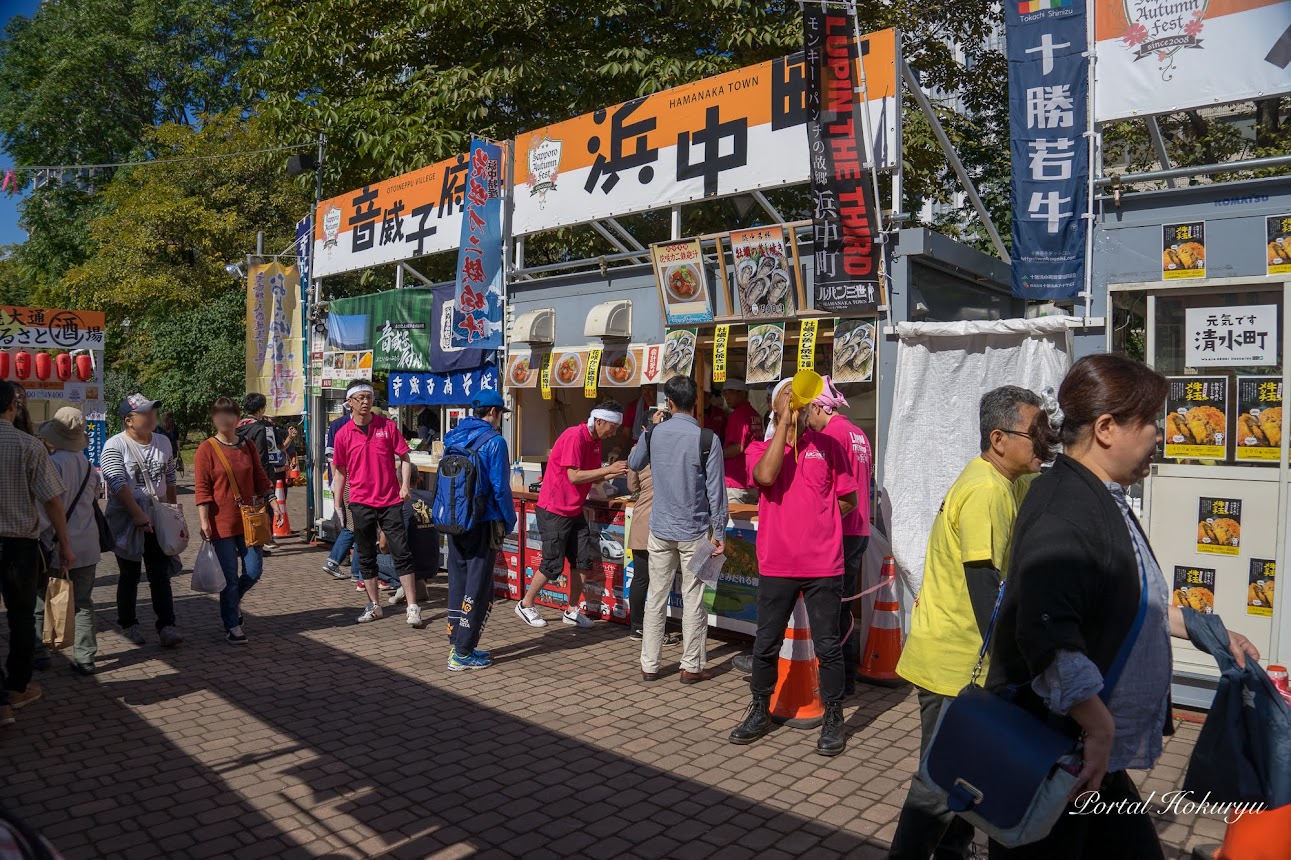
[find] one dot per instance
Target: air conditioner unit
(610, 319)
(535, 326)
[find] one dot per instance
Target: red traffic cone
(796, 700)
(883, 645)
(281, 527)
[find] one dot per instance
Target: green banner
(399, 326)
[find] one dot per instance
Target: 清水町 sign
(275, 348)
(1196, 419)
(1048, 118)
(478, 293)
(844, 225)
(409, 216)
(683, 283)
(728, 134)
(50, 328)
(762, 277)
(1163, 56)
(1231, 336)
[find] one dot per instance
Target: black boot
(757, 722)
(743, 664)
(832, 740)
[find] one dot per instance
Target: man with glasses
(964, 566)
(365, 453)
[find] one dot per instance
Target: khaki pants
(666, 556)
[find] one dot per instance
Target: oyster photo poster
(1219, 526)
(1259, 587)
(679, 352)
(1196, 419)
(1183, 251)
(853, 351)
(1258, 433)
(762, 278)
(683, 286)
(765, 353)
(1195, 587)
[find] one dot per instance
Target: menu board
(1257, 435)
(1183, 251)
(1219, 526)
(1259, 588)
(683, 285)
(567, 368)
(1196, 420)
(1195, 587)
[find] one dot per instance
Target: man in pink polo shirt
(365, 452)
(743, 428)
(822, 415)
(572, 468)
(807, 489)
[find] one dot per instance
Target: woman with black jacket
(1079, 557)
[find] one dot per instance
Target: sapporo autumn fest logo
(1163, 28)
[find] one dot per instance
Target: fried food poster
(1258, 433)
(1277, 243)
(1259, 589)
(1195, 587)
(1219, 526)
(1183, 251)
(1196, 420)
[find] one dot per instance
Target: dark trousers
(639, 588)
(848, 629)
(157, 563)
(20, 569)
(1095, 835)
(776, 598)
(926, 827)
(367, 521)
(470, 583)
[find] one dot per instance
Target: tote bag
(168, 522)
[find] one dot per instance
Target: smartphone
(650, 413)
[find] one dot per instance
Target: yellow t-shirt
(975, 523)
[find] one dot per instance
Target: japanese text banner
(1162, 56)
(441, 389)
(732, 133)
(408, 216)
(1048, 116)
(478, 294)
(50, 328)
(275, 349)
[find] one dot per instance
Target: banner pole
(1094, 159)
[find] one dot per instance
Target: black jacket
(1073, 580)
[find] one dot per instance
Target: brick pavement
(324, 738)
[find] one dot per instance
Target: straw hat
(66, 430)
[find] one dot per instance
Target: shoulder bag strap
(84, 483)
(1123, 655)
(228, 470)
(142, 462)
(990, 628)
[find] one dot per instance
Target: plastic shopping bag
(171, 528)
(208, 576)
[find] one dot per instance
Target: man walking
(807, 489)
(572, 468)
(743, 428)
(364, 457)
(471, 555)
(30, 482)
(963, 569)
(345, 536)
(688, 507)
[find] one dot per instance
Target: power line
(33, 168)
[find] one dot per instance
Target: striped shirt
(127, 463)
(30, 480)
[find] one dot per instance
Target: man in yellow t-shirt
(965, 563)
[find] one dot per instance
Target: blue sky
(10, 234)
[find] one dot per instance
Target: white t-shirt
(128, 463)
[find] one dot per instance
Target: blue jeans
(344, 540)
(229, 550)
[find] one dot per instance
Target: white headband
(359, 389)
(775, 395)
(604, 415)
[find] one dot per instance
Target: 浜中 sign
(1231, 336)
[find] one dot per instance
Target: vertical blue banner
(305, 248)
(478, 293)
(1048, 118)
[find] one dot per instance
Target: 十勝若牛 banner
(478, 297)
(275, 348)
(1048, 118)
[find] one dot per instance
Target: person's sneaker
(385, 586)
(335, 569)
(483, 655)
(743, 664)
(372, 613)
(359, 586)
(170, 637)
(637, 635)
(672, 638)
(236, 636)
(26, 697)
(396, 598)
(83, 669)
(6, 716)
(529, 615)
(575, 619)
(134, 634)
(272, 544)
(414, 617)
(460, 663)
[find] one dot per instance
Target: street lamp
(235, 271)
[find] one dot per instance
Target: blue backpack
(461, 488)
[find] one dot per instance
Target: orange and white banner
(396, 219)
(732, 133)
(1161, 56)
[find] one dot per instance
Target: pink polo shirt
(575, 449)
(743, 427)
(800, 529)
(861, 464)
(368, 461)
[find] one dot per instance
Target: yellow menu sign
(807, 345)
(720, 339)
(545, 379)
(593, 372)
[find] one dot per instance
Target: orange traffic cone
(796, 700)
(281, 528)
(1258, 836)
(294, 474)
(883, 645)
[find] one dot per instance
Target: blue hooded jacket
(496, 462)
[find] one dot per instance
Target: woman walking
(227, 474)
(1084, 597)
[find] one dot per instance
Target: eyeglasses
(1017, 433)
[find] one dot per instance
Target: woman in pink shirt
(807, 488)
